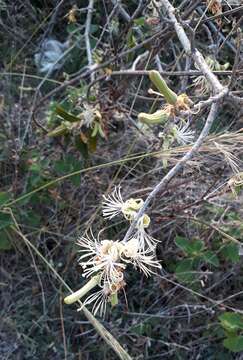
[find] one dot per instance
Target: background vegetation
(55, 167)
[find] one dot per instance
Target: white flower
(145, 240)
(100, 299)
(183, 134)
(105, 262)
(114, 205)
(106, 257)
(142, 259)
(103, 257)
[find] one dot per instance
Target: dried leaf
(215, 6)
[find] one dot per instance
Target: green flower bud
(163, 88)
(159, 117)
(77, 295)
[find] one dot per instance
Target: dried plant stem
(86, 36)
(194, 53)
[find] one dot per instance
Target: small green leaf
(211, 258)
(4, 197)
(190, 248)
(231, 321)
(131, 40)
(70, 28)
(32, 218)
(231, 252)
(234, 343)
(92, 144)
(59, 131)
(5, 220)
(69, 164)
(182, 243)
(184, 271)
(5, 243)
(139, 21)
(82, 147)
(95, 129)
(196, 247)
(35, 167)
(65, 115)
(94, 28)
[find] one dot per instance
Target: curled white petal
(145, 240)
(143, 259)
(99, 300)
(113, 203)
(183, 133)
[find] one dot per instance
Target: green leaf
(131, 40)
(196, 247)
(70, 28)
(211, 258)
(182, 243)
(231, 252)
(139, 21)
(184, 271)
(234, 343)
(4, 197)
(93, 28)
(35, 168)
(5, 243)
(92, 144)
(191, 248)
(65, 115)
(32, 218)
(5, 220)
(231, 321)
(69, 164)
(82, 147)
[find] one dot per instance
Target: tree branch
(86, 36)
(218, 90)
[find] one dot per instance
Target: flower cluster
(104, 261)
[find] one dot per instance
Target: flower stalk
(114, 299)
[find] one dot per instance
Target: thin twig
(63, 328)
(86, 36)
